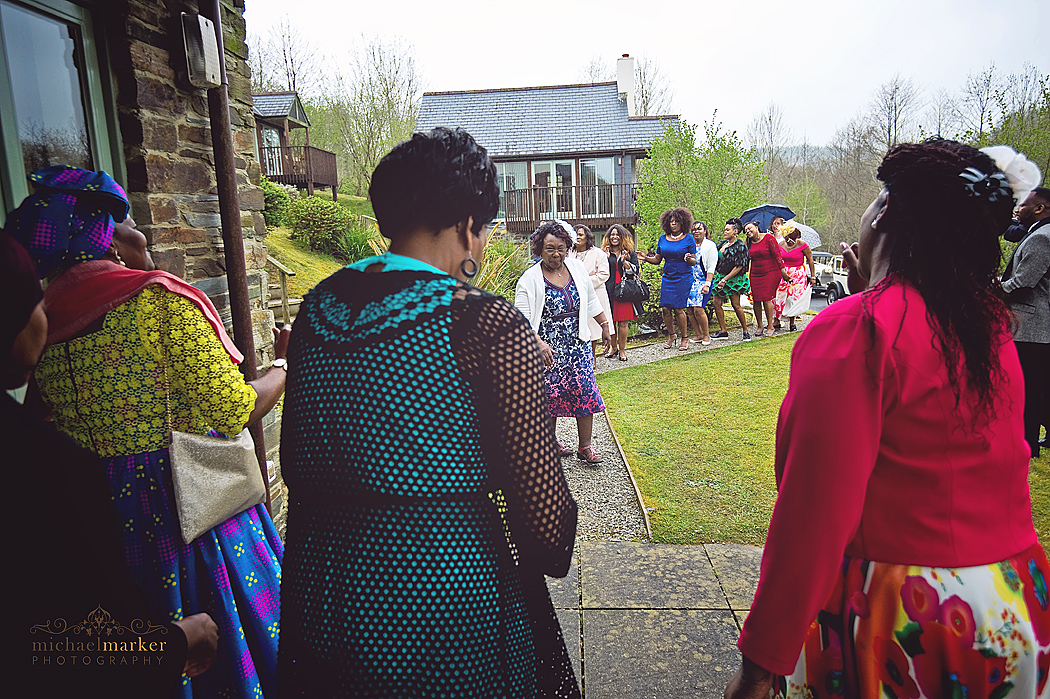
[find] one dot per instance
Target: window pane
(42, 57)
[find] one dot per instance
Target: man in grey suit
(1026, 281)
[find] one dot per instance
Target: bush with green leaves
(716, 179)
(276, 202)
(356, 243)
(503, 263)
(319, 222)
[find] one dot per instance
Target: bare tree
(652, 90)
(941, 116)
(893, 110)
(769, 135)
(598, 70)
(852, 183)
(285, 59)
(375, 104)
(975, 105)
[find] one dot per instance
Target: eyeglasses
(551, 251)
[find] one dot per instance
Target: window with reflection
(44, 65)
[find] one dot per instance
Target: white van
(838, 286)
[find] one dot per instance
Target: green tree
(810, 205)
(715, 179)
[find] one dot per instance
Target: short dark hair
(1042, 194)
(701, 224)
(435, 179)
(736, 223)
(549, 228)
(681, 214)
(588, 236)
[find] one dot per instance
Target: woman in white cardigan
(596, 262)
(555, 295)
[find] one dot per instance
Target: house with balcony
(305, 167)
(565, 151)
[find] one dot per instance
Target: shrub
(503, 263)
(277, 200)
(355, 243)
(319, 222)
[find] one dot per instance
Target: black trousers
(1035, 365)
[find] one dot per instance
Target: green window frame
(96, 86)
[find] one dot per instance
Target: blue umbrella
(765, 214)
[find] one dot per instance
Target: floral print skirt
(793, 297)
(917, 632)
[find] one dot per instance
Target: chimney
(625, 82)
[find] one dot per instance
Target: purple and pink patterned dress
(571, 388)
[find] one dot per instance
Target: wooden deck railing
(299, 166)
(600, 205)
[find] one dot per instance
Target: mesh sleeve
(499, 354)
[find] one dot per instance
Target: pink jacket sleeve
(827, 441)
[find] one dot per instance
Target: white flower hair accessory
(1022, 174)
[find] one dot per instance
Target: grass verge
(1039, 486)
(699, 432)
(310, 267)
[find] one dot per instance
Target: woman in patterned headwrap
(123, 339)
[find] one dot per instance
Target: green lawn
(699, 433)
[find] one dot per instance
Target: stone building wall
(166, 137)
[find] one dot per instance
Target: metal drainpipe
(232, 239)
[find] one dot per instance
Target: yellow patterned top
(106, 389)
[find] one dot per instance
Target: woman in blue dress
(557, 297)
(677, 250)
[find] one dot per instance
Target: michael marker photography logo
(97, 641)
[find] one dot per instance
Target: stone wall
(166, 135)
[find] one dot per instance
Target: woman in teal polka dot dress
(427, 498)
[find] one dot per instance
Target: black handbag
(631, 289)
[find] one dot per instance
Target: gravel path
(608, 505)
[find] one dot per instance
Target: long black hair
(944, 240)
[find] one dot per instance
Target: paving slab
(665, 653)
(640, 575)
(565, 592)
(737, 568)
(570, 629)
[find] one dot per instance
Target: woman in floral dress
(557, 297)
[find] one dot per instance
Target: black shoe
(720, 336)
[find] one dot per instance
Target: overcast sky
(819, 60)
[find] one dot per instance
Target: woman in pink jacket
(901, 560)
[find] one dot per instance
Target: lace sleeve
(202, 374)
(499, 353)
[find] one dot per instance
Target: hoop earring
(469, 274)
(120, 260)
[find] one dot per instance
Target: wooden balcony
(597, 206)
(304, 167)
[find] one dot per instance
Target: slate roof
(531, 121)
(279, 105)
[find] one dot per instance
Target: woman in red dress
(767, 269)
(623, 260)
